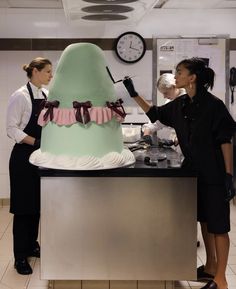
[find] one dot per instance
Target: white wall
(12, 77)
(52, 24)
(20, 23)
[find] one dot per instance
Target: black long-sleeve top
(202, 124)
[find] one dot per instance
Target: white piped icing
(63, 162)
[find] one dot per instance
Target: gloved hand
(165, 142)
(230, 190)
(146, 139)
(37, 144)
(128, 83)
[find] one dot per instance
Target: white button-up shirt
(19, 111)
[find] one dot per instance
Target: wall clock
(130, 47)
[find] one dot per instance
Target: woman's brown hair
(38, 63)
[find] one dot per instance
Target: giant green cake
(81, 119)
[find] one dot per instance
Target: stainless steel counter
(124, 224)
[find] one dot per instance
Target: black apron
(24, 177)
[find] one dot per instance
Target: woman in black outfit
(204, 129)
(22, 127)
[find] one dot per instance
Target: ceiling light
(107, 9)
(104, 17)
(76, 10)
(110, 1)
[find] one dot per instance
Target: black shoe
(35, 253)
(210, 285)
(202, 275)
(23, 267)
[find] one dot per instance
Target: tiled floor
(9, 279)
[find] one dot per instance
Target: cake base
(111, 160)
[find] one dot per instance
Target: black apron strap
(31, 92)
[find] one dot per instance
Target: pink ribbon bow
(78, 115)
(116, 106)
(50, 105)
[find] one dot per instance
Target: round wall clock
(130, 47)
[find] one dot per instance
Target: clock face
(130, 47)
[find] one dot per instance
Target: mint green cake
(81, 120)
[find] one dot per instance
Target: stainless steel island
(122, 228)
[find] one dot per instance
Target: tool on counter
(148, 162)
(154, 157)
(165, 143)
(138, 146)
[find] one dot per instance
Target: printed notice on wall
(171, 51)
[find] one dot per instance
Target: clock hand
(131, 47)
(134, 48)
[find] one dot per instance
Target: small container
(153, 156)
(131, 133)
(140, 155)
(174, 161)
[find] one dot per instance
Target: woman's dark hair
(38, 63)
(205, 75)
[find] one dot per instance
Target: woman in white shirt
(22, 115)
(166, 85)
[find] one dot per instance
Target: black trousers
(25, 234)
(212, 208)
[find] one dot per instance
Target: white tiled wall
(20, 23)
(12, 77)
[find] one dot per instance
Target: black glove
(165, 142)
(128, 83)
(37, 144)
(230, 190)
(146, 139)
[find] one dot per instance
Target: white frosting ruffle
(63, 162)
